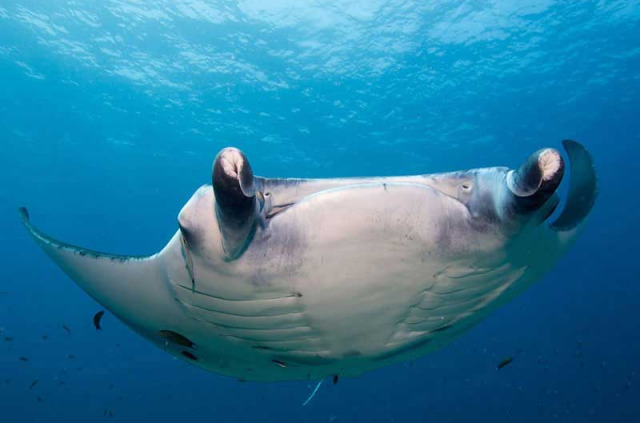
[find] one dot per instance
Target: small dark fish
(8, 338)
(39, 398)
(336, 378)
(110, 413)
(24, 358)
(71, 356)
(45, 337)
(6, 381)
(504, 362)
(189, 355)
(65, 327)
(176, 338)
(280, 363)
(34, 383)
(96, 319)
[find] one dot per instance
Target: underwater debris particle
(34, 383)
(336, 378)
(313, 394)
(23, 358)
(189, 355)
(45, 337)
(261, 347)
(504, 362)
(8, 338)
(39, 398)
(70, 356)
(66, 328)
(176, 338)
(96, 319)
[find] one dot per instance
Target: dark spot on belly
(176, 338)
(261, 347)
(352, 353)
(442, 328)
(189, 355)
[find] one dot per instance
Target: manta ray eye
(466, 187)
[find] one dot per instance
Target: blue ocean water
(111, 114)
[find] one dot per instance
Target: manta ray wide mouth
(277, 209)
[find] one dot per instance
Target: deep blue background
(111, 113)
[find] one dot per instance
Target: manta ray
(301, 279)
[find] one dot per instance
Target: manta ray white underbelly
(284, 279)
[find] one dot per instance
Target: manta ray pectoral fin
(237, 207)
(583, 188)
(132, 288)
